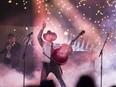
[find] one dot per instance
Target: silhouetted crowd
(84, 81)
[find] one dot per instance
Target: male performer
(48, 64)
(10, 51)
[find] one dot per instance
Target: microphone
(30, 34)
(82, 32)
(108, 33)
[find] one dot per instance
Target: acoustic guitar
(60, 55)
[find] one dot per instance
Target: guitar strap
(46, 55)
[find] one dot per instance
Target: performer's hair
(11, 35)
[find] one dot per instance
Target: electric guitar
(60, 55)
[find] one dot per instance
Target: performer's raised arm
(40, 34)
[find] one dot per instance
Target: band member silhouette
(48, 64)
(10, 51)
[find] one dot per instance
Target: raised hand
(43, 25)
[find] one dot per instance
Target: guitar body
(60, 55)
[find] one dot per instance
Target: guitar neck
(72, 42)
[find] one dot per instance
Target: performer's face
(11, 39)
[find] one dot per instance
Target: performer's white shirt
(47, 51)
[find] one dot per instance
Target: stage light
(26, 28)
(14, 29)
(65, 33)
(16, 3)
(9, 1)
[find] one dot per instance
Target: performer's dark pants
(55, 69)
(7, 61)
(10, 63)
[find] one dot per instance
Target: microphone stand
(101, 54)
(23, 57)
